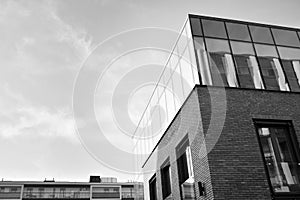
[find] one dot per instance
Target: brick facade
(233, 168)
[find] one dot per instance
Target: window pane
(202, 61)
(196, 26)
(242, 48)
(221, 63)
(261, 34)
(280, 158)
(289, 53)
(284, 37)
(214, 28)
(266, 50)
(247, 66)
(272, 74)
(166, 182)
(238, 31)
(290, 61)
(152, 188)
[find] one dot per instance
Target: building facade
(104, 188)
(234, 132)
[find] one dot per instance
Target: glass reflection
(202, 61)
(261, 34)
(285, 37)
(290, 59)
(238, 31)
(214, 28)
(221, 63)
(272, 72)
(247, 66)
(196, 26)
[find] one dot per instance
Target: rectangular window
(185, 170)
(166, 179)
(272, 73)
(221, 63)
(280, 156)
(152, 188)
(238, 31)
(196, 26)
(285, 37)
(261, 34)
(213, 28)
(247, 66)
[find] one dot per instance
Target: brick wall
(225, 149)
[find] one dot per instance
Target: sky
(63, 67)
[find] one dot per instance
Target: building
(231, 128)
(96, 188)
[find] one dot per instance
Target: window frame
(259, 123)
(153, 180)
(165, 175)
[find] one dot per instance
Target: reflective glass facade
(246, 55)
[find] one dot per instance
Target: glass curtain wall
(246, 55)
(177, 80)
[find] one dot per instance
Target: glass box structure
(236, 57)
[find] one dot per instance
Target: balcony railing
(56, 195)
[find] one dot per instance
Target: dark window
(221, 63)
(214, 28)
(165, 179)
(261, 34)
(285, 37)
(246, 64)
(290, 58)
(185, 170)
(238, 31)
(280, 156)
(152, 188)
(196, 26)
(271, 69)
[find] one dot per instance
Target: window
(238, 31)
(185, 169)
(290, 59)
(196, 26)
(152, 188)
(280, 156)
(214, 28)
(261, 34)
(246, 64)
(202, 61)
(272, 72)
(285, 37)
(165, 179)
(221, 63)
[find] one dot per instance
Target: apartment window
(285, 37)
(185, 170)
(152, 188)
(238, 31)
(221, 63)
(279, 151)
(166, 179)
(261, 34)
(272, 72)
(213, 28)
(246, 64)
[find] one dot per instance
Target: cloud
(19, 117)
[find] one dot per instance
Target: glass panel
(285, 37)
(203, 61)
(289, 53)
(280, 158)
(261, 34)
(214, 28)
(221, 63)
(196, 26)
(290, 61)
(272, 74)
(238, 31)
(266, 50)
(247, 66)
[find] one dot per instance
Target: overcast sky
(43, 46)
